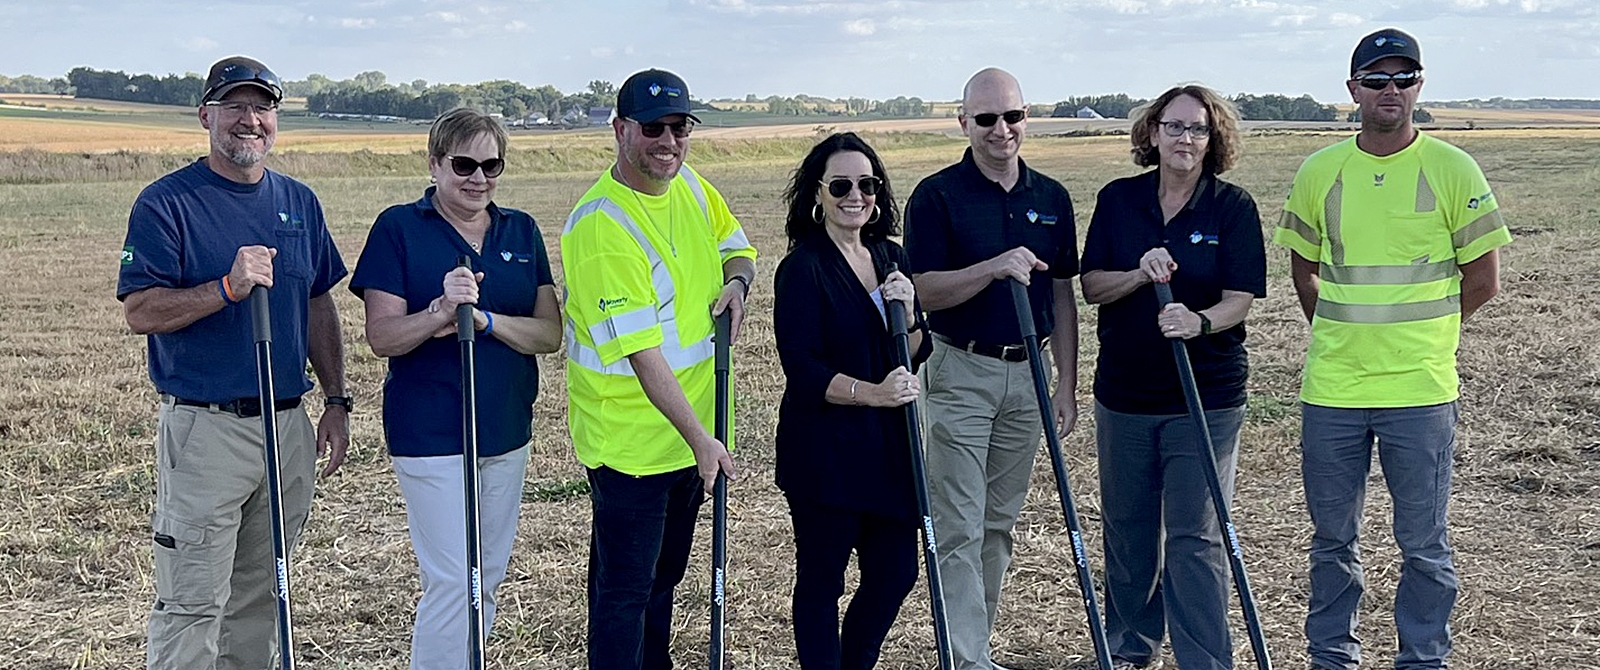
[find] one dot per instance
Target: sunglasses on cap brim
(1378, 81)
(234, 74)
(464, 167)
(988, 119)
(840, 187)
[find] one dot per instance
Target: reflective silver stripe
(1294, 223)
(1426, 200)
(1483, 225)
(1350, 275)
(1332, 215)
(618, 325)
(735, 242)
(1403, 312)
(677, 354)
(692, 180)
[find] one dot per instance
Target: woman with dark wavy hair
(1166, 570)
(843, 453)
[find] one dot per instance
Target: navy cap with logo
(649, 95)
(1384, 44)
(231, 73)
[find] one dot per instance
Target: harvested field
(77, 426)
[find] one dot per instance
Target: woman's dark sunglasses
(654, 129)
(1378, 81)
(1013, 116)
(464, 167)
(840, 187)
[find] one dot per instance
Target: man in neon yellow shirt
(1394, 237)
(651, 253)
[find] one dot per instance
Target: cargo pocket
(187, 561)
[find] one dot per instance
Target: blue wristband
(488, 327)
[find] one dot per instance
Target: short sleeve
(1065, 264)
(731, 240)
(150, 252)
(1097, 250)
(1476, 226)
(1244, 268)
(329, 265)
(927, 220)
(1300, 229)
(382, 262)
(609, 292)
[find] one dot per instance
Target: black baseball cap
(1384, 44)
(652, 94)
(231, 73)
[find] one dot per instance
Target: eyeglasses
(986, 120)
(654, 129)
(1198, 131)
(464, 167)
(1378, 81)
(238, 108)
(236, 73)
(840, 187)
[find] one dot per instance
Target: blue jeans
(1415, 449)
(638, 552)
(1166, 562)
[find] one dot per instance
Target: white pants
(433, 492)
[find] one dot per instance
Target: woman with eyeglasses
(1166, 570)
(843, 459)
(409, 279)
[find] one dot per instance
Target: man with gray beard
(199, 239)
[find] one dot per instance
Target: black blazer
(849, 456)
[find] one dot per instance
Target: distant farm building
(599, 116)
(1088, 112)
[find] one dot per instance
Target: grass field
(77, 425)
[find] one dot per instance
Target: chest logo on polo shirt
(606, 305)
(1377, 180)
(1042, 219)
(291, 220)
(1197, 237)
(508, 256)
(505, 256)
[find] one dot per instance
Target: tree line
(30, 84)
(1269, 107)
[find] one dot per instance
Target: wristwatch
(344, 401)
(1205, 323)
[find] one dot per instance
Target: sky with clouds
(925, 48)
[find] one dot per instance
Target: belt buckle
(1007, 349)
(244, 408)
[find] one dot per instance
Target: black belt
(243, 408)
(1014, 353)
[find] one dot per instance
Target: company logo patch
(655, 90)
(1042, 219)
(1377, 180)
(509, 256)
(1480, 201)
(506, 256)
(127, 255)
(290, 219)
(607, 305)
(1397, 42)
(1197, 237)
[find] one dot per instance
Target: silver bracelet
(853, 383)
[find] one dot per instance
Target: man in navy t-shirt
(199, 240)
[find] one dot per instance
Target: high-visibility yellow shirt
(1390, 234)
(642, 271)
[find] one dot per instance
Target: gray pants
(1166, 563)
(983, 431)
(1415, 448)
(215, 606)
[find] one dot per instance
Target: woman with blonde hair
(1166, 570)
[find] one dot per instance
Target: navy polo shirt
(958, 217)
(409, 251)
(1216, 241)
(185, 230)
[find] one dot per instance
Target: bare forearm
(741, 267)
(165, 310)
(398, 334)
(1230, 311)
(1307, 283)
(943, 290)
(528, 334)
(326, 345)
(1064, 336)
(1480, 282)
(666, 395)
(1104, 286)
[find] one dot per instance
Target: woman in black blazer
(843, 457)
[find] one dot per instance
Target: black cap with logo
(1384, 44)
(231, 73)
(649, 95)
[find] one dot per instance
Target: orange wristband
(227, 291)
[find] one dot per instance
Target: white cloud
(447, 17)
(602, 52)
(361, 23)
(860, 27)
(1344, 20)
(197, 44)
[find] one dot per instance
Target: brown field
(77, 427)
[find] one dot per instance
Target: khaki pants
(983, 431)
(215, 606)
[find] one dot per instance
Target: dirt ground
(77, 425)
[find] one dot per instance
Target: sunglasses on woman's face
(654, 129)
(987, 120)
(840, 187)
(1378, 81)
(464, 167)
